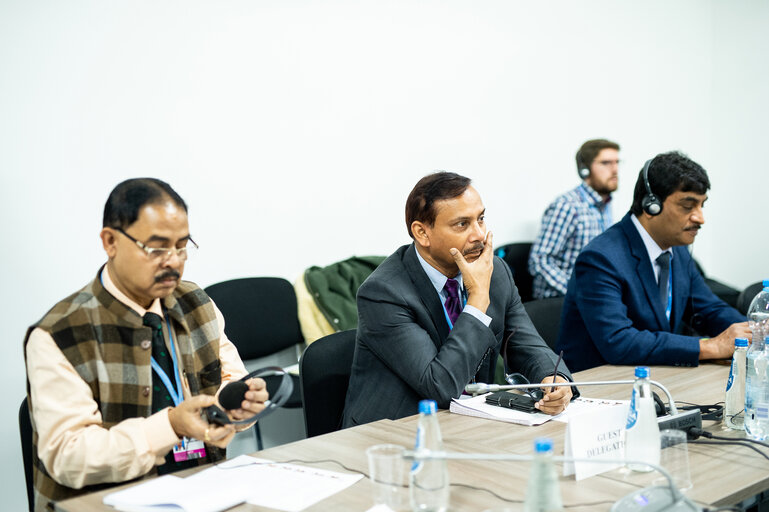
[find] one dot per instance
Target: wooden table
(721, 475)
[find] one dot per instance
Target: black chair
(260, 318)
(25, 431)
(516, 255)
(325, 370)
(723, 291)
(545, 314)
(746, 297)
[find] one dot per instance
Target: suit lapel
(426, 292)
(645, 272)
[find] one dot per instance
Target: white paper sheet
(289, 487)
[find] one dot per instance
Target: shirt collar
(592, 196)
(436, 277)
(652, 248)
(113, 290)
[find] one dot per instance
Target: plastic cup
(674, 457)
(387, 468)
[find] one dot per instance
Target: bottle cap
(740, 342)
(543, 445)
(427, 407)
(642, 372)
(765, 283)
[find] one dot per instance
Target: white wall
(296, 129)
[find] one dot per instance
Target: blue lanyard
(669, 306)
(446, 313)
(177, 396)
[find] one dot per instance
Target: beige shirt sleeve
(74, 447)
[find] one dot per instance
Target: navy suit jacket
(404, 351)
(612, 313)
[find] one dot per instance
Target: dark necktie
(453, 304)
(663, 260)
(161, 398)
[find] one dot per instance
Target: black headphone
(650, 203)
(232, 394)
(582, 169)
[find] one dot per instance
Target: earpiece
(650, 203)
(582, 169)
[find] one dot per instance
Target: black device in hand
(233, 394)
(512, 401)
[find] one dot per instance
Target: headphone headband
(650, 203)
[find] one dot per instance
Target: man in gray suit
(432, 317)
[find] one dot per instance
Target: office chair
(545, 314)
(746, 297)
(723, 291)
(25, 432)
(325, 375)
(516, 255)
(260, 319)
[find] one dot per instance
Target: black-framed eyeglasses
(162, 254)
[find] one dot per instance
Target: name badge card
(596, 434)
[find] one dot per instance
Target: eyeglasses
(163, 254)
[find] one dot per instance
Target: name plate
(597, 434)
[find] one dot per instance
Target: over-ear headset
(650, 203)
(233, 393)
(582, 169)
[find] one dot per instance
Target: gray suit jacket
(404, 351)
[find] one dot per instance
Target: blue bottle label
(731, 378)
(632, 415)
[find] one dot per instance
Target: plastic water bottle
(429, 479)
(543, 493)
(757, 379)
(758, 313)
(642, 434)
(734, 417)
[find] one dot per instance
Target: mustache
(165, 275)
(695, 227)
(475, 248)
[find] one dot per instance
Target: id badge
(189, 449)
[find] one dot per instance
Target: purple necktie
(453, 304)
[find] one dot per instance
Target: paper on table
(477, 406)
(171, 493)
(582, 405)
(288, 487)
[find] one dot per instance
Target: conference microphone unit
(674, 419)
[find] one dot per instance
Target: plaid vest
(102, 338)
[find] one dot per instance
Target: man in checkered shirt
(575, 218)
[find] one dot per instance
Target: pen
(555, 370)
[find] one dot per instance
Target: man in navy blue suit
(635, 288)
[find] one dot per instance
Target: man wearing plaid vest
(119, 372)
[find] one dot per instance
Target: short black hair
(589, 151)
(437, 186)
(668, 173)
(127, 198)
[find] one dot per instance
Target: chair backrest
(516, 255)
(545, 314)
(746, 297)
(25, 431)
(324, 372)
(260, 315)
